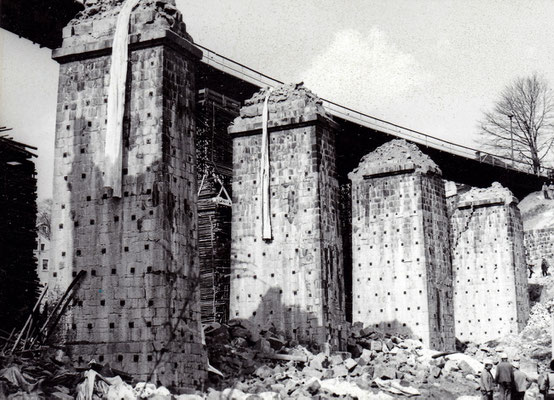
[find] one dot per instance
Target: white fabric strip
(265, 197)
(113, 146)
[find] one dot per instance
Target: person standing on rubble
(521, 382)
(546, 383)
(504, 377)
(544, 267)
(487, 383)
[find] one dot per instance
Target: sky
(432, 66)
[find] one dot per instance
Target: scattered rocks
(263, 365)
(385, 366)
(496, 192)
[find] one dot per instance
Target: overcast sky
(433, 66)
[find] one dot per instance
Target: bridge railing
(259, 79)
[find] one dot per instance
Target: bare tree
(521, 122)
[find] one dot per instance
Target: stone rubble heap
(251, 365)
(100, 9)
(394, 153)
(539, 324)
(286, 104)
(377, 366)
(97, 21)
(495, 191)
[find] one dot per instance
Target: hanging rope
(265, 197)
(113, 146)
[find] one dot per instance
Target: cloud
(366, 72)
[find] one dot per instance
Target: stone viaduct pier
(326, 220)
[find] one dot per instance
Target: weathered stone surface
(395, 156)
(95, 25)
(287, 105)
(139, 298)
(539, 245)
(384, 371)
(295, 280)
(488, 258)
(401, 255)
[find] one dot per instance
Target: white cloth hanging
(265, 197)
(113, 145)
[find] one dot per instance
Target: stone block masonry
(138, 306)
(539, 244)
(294, 281)
(488, 257)
(401, 269)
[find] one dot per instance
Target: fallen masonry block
(319, 362)
(313, 386)
(383, 371)
(340, 370)
(285, 357)
(350, 364)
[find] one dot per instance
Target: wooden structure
(214, 157)
(18, 276)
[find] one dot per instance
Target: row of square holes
(295, 292)
(270, 312)
(103, 250)
(396, 309)
(79, 303)
(485, 332)
(381, 278)
(114, 271)
(136, 358)
(131, 325)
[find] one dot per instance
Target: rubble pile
(47, 377)
(532, 344)
(495, 191)
(97, 21)
(249, 364)
(377, 366)
(286, 103)
(396, 152)
(539, 324)
(101, 9)
(41, 377)
(283, 98)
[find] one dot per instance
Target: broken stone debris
(394, 153)
(291, 100)
(254, 365)
(377, 366)
(495, 191)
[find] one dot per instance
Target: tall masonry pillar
(293, 278)
(137, 307)
(401, 269)
(490, 273)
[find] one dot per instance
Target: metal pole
(511, 138)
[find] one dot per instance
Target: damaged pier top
(287, 105)
(92, 30)
(395, 156)
(496, 194)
